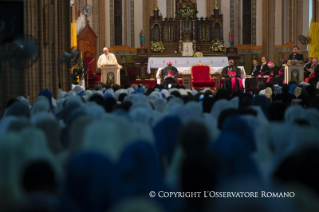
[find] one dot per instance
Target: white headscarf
(40, 106)
(95, 111)
(223, 104)
(293, 113)
(40, 116)
(118, 92)
(106, 136)
(130, 90)
(173, 101)
(165, 92)
(110, 91)
(160, 105)
(24, 100)
(78, 89)
(62, 94)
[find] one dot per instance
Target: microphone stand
(87, 73)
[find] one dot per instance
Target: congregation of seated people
(108, 148)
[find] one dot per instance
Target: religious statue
(142, 39)
(231, 38)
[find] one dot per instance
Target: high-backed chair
(91, 77)
(201, 77)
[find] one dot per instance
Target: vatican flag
(73, 34)
(314, 40)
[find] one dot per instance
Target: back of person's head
(276, 111)
(98, 99)
(187, 98)
(285, 88)
(208, 103)
(261, 85)
(300, 167)
(116, 87)
(222, 94)
(109, 104)
(245, 100)
(122, 96)
(39, 177)
(247, 111)
(125, 106)
(199, 173)
(269, 85)
(194, 137)
(225, 114)
(176, 94)
(127, 85)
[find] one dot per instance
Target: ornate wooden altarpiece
(185, 27)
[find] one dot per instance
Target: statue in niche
(231, 38)
(142, 39)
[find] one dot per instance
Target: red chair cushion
(203, 83)
(201, 73)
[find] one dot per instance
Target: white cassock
(106, 59)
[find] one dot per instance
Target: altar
(185, 62)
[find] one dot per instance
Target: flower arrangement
(198, 54)
(157, 47)
(217, 47)
(186, 12)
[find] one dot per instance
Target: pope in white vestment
(106, 58)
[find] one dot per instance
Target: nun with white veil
(223, 104)
(106, 136)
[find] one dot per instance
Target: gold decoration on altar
(156, 7)
(216, 5)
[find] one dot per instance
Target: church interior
(218, 99)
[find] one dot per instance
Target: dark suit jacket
(164, 73)
(297, 57)
(274, 70)
(255, 72)
(264, 69)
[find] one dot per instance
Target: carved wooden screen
(155, 33)
(87, 42)
(217, 32)
(203, 32)
(169, 32)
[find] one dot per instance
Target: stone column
(146, 22)
(268, 16)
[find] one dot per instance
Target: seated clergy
(307, 67)
(314, 74)
(232, 76)
(168, 74)
(274, 74)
